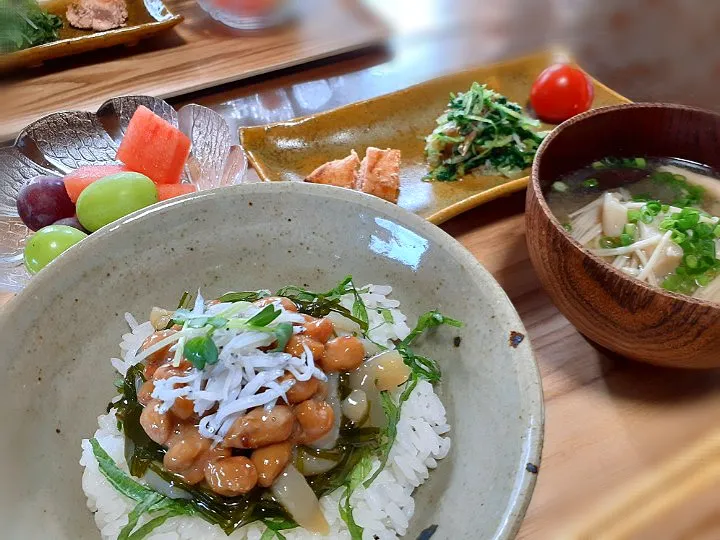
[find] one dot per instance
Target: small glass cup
(250, 14)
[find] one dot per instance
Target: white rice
(383, 510)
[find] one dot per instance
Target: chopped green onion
(626, 239)
(609, 242)
(590, 183)
(653, 207)
(634, 215)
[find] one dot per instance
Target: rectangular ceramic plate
(289, 151)
(145, 18)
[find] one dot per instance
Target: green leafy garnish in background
(481, 129)
(23, 24)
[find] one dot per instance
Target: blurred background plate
(64, 141)
(145, 18)
(289, 151)
(201, 53)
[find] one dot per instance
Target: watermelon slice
(79, 179)
(154, 147)
(168, 191)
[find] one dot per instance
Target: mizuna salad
(259, 415)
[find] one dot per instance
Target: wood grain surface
(195, 55)
(608, 419)
(677, 499)
(622, 313)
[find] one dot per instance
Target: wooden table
(608, 419)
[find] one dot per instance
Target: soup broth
(655, 219)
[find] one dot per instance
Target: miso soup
(655, 219)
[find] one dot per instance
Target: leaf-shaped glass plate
(61, 142)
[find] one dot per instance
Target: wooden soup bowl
(611, 308)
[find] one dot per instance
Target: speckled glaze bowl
(58, 334)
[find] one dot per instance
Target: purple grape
(72, 222)
(43, 202)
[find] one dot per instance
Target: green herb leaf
(359, 310)
(201, 351)
(392, 415)
(267, 315)
(387, 315)
(421, 366)
(148, 500)
(182, 317)
(283, 332)
(119, 480)
(358, 474)
(274, 526)
(186, 301)
(320, 304)
(135, 514)
(154, 523)
(590, 183)
(245, 296)
(428, 320)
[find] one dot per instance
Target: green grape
(49, 242)
(113, 197)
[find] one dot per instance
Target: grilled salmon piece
(341, 172)
(380, 174)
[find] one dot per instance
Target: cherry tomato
(560, 92)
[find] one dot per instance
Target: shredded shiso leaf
(149, 501)
(481, 131)
(354, 453)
